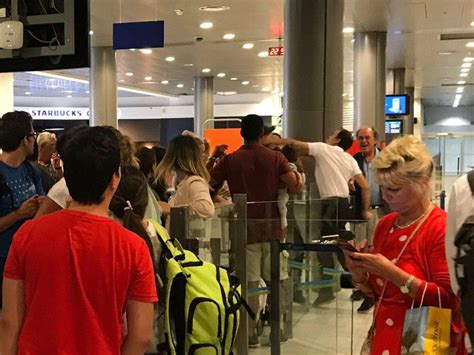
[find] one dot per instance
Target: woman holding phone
(408, 255)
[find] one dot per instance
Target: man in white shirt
(333, 170)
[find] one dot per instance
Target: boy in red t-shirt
(71, 275)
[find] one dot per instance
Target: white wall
(443, 119)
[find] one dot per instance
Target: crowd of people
(77, 249)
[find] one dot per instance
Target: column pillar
(409, 120)
(398, 81)
(313, 68)
(203, 103)
(6, 93)
(369, 81)
(103, 87)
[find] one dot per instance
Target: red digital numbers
(275, 51)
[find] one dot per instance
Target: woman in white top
(183, 159)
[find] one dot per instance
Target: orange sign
(229, 136)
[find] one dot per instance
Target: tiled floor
(326, 330)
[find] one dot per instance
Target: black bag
(464, 265)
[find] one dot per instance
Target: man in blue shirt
(20, 181)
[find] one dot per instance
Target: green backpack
(202, 306)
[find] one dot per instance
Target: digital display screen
(139, 35)
(394, 126)
(276, 51)
(397, 105)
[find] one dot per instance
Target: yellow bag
(427, 330)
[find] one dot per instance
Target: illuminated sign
(275, 51)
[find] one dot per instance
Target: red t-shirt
(78, 271)
(255, 170)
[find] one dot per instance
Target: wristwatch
(406, 287)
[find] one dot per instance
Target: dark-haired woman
(128, 206)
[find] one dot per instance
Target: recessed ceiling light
(206, 25)
(146, 51)
(348, 30)
(234, 79)
(255, 86)
(468, 59)
(178, 12)
(132, 49)
(472, 23)
(226, 93)
(68, 91)
(445, 53)
(229, 36)
(466, 65)
(461, 82)
(188, 65)
(170, 59)
(214, 8)
(460, 90)
(179, 85)
(470, 44)
(221, 75)
(397, 32)
(265, 89)
(247, 46)
(263, 54)
(148, 78)
(88, 92)
(353, 40)
(27, 93)
(465, 70)
(463, 75)
(69, 96)
(91, 32)
(129, 74)
(245, 82)
(206, 70)
(164, 82)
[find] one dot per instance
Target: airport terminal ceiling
(414, 27)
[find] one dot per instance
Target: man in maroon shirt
(257, 171)
(70, 275)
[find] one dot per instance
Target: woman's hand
(376, 264)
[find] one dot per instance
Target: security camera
(11, 35)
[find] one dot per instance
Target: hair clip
(128, 207)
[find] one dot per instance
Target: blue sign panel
(139, 35)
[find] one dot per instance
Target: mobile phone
(347, 246)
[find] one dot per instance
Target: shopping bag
(427, 330)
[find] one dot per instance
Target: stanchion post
(275, 297)
(239, 248)
(179, 224)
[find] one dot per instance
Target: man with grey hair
(49, 161)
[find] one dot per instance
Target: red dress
(425, 259)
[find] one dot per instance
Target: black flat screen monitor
(397, 105)
(56, 35)
(393, 126)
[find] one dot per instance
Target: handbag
(426, 330)
(367, 344)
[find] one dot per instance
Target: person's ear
(115, 181)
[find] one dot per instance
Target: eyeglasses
(33, 134)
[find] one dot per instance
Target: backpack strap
(470, 180)
(166, 241)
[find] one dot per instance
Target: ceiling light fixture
(255, 86)
(146, 51)
(468, 59)
(265, 89)
(465, 70)
(188, 65)
(180, 85)
(221, 75)
(226, 93)
(247, 46)
(466, 65)
(460, 90)
(445, 53)
(348, 30)
(206, 70)
(27, 93)
(88, 92)
(463, 75)
(234, 79)
(214, 8)
(228, 36)
(263, 54)
(91, 32)
(170, 59)
(353, 40)
(206, 25)
(129, 74)
(470, 44)
(246, 82)
(164, 82)
(461, 82)
(178, 12)
(148, 78)
(132, 49)
(69, 96)
(472, 23)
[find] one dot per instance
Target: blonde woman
(408, 253)
(183, 159)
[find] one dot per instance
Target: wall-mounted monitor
(397, 105)
(55, 34)
(393, 126)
